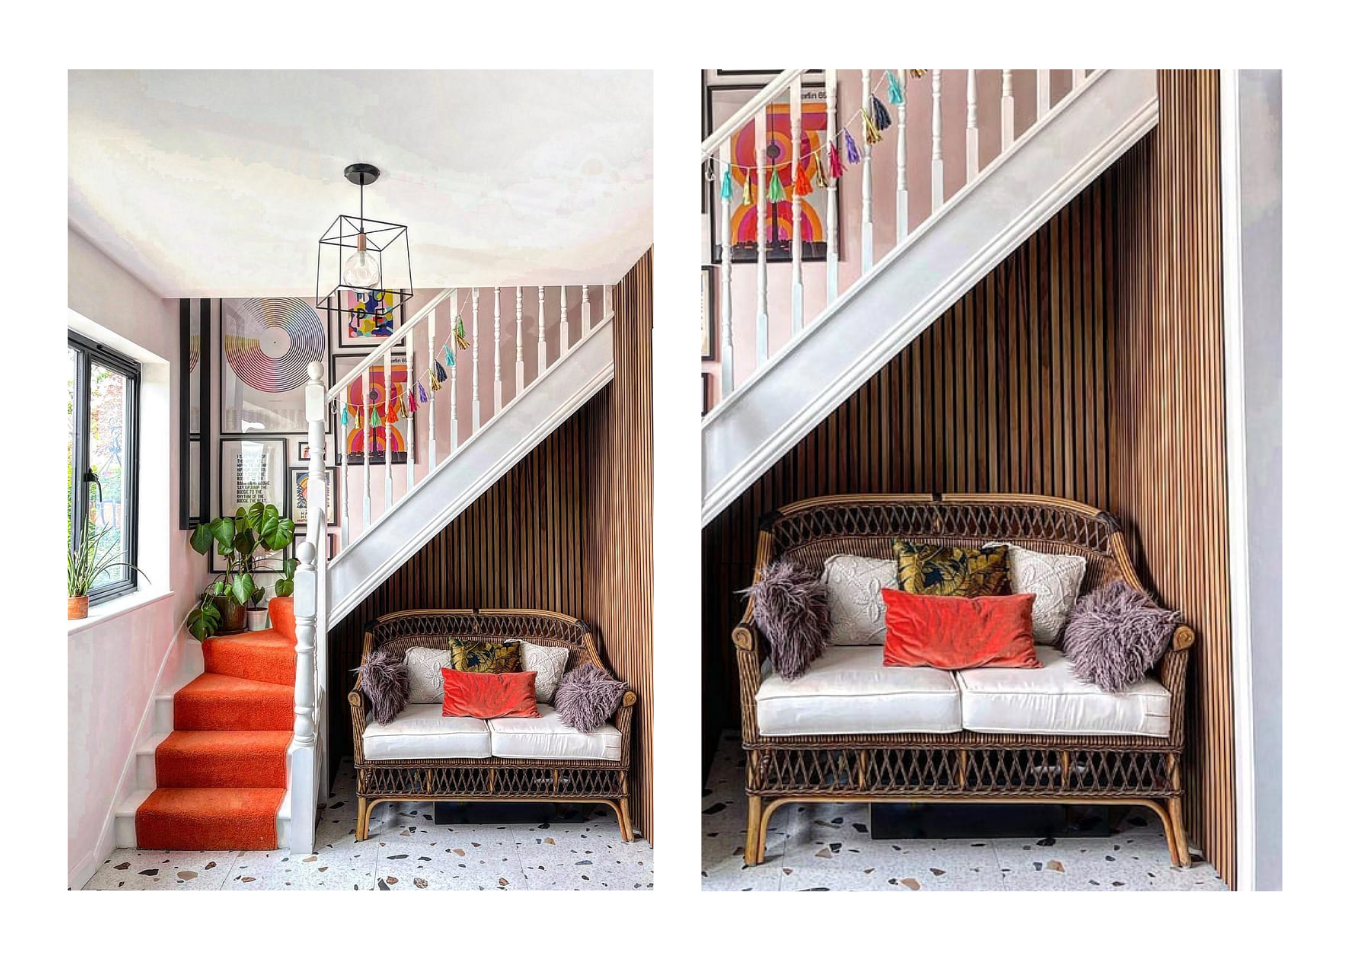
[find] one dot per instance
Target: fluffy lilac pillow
(1116, 634)
(792, 610)
(384, 681)
(587, 696)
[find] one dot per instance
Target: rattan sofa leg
(754, 828)
(1181, 856)
(625, 821)
(362, 818)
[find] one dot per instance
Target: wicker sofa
(1028, 758)
(423, 756)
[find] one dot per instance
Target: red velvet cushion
(488, 695)
(954, 633)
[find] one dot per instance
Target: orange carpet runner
(221, 773)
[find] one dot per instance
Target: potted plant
(88, 560)
(225, 604)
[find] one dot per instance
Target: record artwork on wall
(268, 344)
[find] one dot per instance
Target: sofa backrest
(436, 628)
(810, 531)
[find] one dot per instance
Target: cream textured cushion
(847, 690)
(548, 664)
(424, 674)
(853, 590)
(1054, 700)
(546, 737)
(421, 733)
(1054, 578)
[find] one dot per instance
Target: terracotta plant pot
(231, 615)
(77, 608)
(257, 619)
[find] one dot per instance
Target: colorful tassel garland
(461, 341)
(421, 393)
(820, 173)
(776, 192)
(412, 401)
(801, 186)
(851, 148)
(870, 131)
(836, 167)
(726, 184)
(435, 382)
(440, 371)
(449, 356)
(344, 415)
(895, 93)
(747, 195)
(880, 115)
(375, 416)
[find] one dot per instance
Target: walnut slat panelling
(618, 592)
(1168, 479)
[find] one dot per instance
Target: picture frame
(266, 346)
(194, 397)
(348, 441)
(721, 101)
(707, 393)
(296, 502)
(708, 303)
(343, 326)
(301, 449)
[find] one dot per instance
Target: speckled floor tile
(163, 870)
(349, 866)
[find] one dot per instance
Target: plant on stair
(223, 604)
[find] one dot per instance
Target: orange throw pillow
(488, 696)
(955, 633)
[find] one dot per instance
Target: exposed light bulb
(361, 268)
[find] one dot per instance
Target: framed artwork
(366, 320)
(194, 396)
(299, 495)
(301, 449)
(707, 393)
(252, 470)
(718, 78)
(385, 440)
(268, 344)
(720, 104)
(707, 304)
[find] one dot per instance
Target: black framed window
(103, 416)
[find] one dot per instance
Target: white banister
(388, 432)
(728, 374)
(543, 347)
(520, 346)
(831, 192)
(938, 191)
(431, 397)
(1078, 77)
(795, 128)
(1006, 117)
(563, 335)
(496, 350)
(476, 408)
(762, 237)
(866, 177)
(365, 448)
(426, 313)
(454, 380)
(753, 108)
(901, 161)
(972, 131)
(1042, 93)
(340, 437)
(585, 310)
(409, 432)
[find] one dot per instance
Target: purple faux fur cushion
(1116, 634)
(792, 610)
(384, 681)
(587, 696)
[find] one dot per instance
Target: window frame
(87, 353)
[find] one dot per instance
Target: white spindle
(585, 310)
(476, 408)
(609, 302)
(409, 432)
(365, 449)
(831, 217)
(520, 347)
(795, 123)
(431, 365)
(1078, 77)
(866, 178)
(901, 161)
(762, 235)
(1042, 93)
(496, 350)
(972, 131)
(543, 347)
(728, 375)
(388, 429)
(564, 335)
(1007, 114)
(938, 191)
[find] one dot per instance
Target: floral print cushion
(938, 571)
(485, 656)
(853, 591)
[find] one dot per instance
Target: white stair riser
(124, 827)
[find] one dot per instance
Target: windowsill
(113, 609)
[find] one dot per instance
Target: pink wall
(919, 152)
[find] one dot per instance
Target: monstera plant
(253, 529)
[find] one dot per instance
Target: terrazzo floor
(406, 851)
(827, 847)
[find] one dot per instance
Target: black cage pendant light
(365, 269)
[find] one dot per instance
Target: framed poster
(252, 470)
(194, 396)
(707, 305)
(366, 320)
(721, 103)
(268, 344)
(387, 438)
(298, 492)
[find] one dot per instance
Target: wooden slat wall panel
(1168, 465)
(567, 529)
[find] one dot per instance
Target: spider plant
(88, 559)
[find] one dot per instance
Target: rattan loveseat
(548, 776)
(963, 765)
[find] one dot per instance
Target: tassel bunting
(801, 186)
(461, 341)
(435, 382)
(870, 131)
(776, 192)
(375, 416)
(440, 371)
(894, 91)
(820, 174)
(412, 402)
(747, 194)
(851, 148)
(344, 414)
(726, 183)
(421, 393)
(836, 167)
(881, 117)
(449, 357)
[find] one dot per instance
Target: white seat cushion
(421, 733)
(1053, 700)
(546, 737)
(847, 690)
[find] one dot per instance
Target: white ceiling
(219, 183)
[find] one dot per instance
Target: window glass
(108, 419)
(72, 359)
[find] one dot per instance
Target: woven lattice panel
(489, 781)
(1096, 772)
(436, 628)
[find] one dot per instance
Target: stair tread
(253, 638)
(209, 818)
(217, 683)
(225, 741)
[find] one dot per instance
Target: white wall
(117, 655)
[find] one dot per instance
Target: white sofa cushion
(1054, 578)
(847, 690)
(425, 684)
(1053, 700)
(546, 737)
(853, 591)
(421, 733)
(548, 664)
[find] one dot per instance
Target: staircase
(937, 256)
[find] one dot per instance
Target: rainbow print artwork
(778, 148)
(387, 438)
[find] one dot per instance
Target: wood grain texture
(564, 530)
(1087, 365)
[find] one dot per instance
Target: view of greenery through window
(108, 415)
